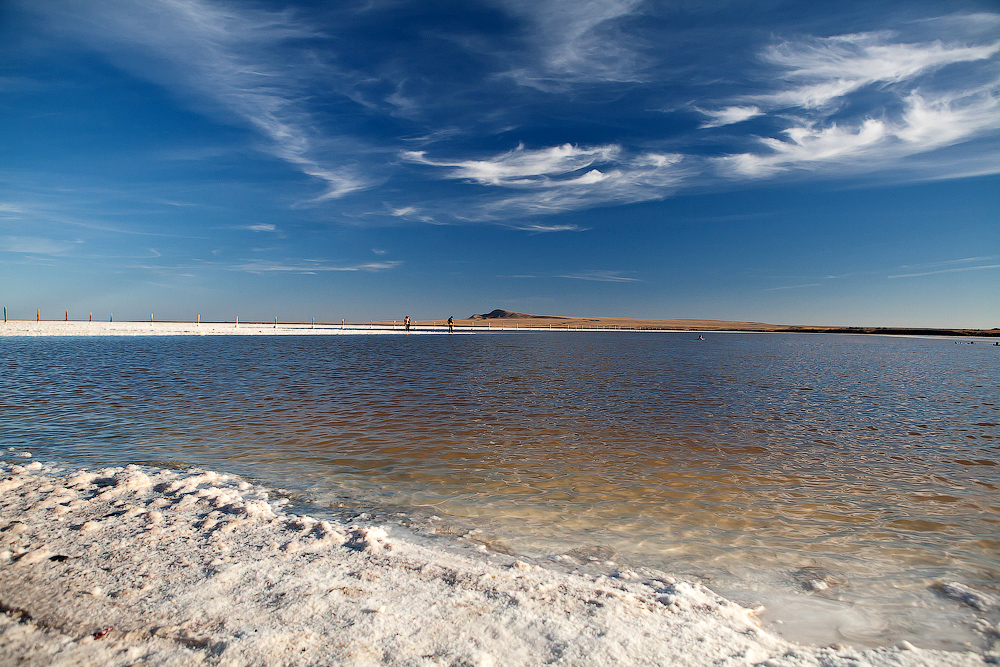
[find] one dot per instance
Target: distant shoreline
(467, 325)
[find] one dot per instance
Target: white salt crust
(126, 565)
(50, 328)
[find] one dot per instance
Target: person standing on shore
(451, 324)
(406, 323)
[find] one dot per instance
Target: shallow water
(832, 478)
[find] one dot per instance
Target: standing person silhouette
(451, 324)
(406, 323)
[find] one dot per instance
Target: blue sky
(764, 161)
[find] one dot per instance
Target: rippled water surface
(834, 479)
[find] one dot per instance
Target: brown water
(835, 479)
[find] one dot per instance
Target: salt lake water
(833, 479)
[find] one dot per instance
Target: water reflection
(747, 459)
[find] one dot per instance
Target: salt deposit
(126, 565)
(74, 328)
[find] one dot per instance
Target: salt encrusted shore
(73, 328)
(127, 565)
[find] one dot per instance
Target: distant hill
(501, 314)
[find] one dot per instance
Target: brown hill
(501, 314)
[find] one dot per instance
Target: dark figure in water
(451, 325)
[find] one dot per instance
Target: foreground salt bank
(127, 565)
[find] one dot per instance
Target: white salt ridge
(124, 565)
(968, 595)
(74, 328)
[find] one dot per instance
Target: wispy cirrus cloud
(560, 178)
(916, 110)
(959, 269)
(556, 166)
(260, 227)
(823, 71)
(8, 209)
(36, 245)
(788, 287)
(539, 228)
(829, 105)
(593, 275)
(228, 58)
(949, 266)
(806, 146)
(574, 41)
(729, 115)
(924, 125)
(845, 104)
(945, 119)
(602, 276)
(311, 266)
(403, 211)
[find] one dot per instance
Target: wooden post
(67, 316)
(112, 318)
(237, 322)
(5, 314)
(313, 324)
(275, 322)
(91, 317)
(341, 324)
(199, 319)
(38, 315)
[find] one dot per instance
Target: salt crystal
(968, 595)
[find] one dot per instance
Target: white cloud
(915, 112)
(561, 178)
(729, 115)
(827, 69)
(787, 287)
(262, 227)
(539, 228)
(602, 276)
(404, 211)
(34, 245)
(925, 124)
(948, 262)
(226, 57)
(528, 168)
(576, 40)
(954, 270)
(948, 266)
(806, 146)
(930, 123)
(311, 266)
